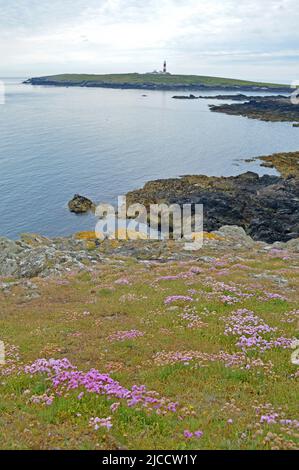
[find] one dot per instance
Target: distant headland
(156, 81)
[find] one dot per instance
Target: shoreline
(269, 108)
(266, 207)
(37, 256)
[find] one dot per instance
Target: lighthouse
(160, 72)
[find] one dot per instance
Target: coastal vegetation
(189, 352)
(286, 163)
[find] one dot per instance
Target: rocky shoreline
(266, 207)
(273, 109)
(37, 256)
(242, 212)
(237, 97)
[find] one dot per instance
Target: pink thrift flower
(122, 282)
(175, 298)
(124, 335)
(101, 422)
(114, 407)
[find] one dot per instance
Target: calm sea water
(55, 142)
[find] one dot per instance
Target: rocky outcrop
(80, 204)
(35, 256)
(237, 97)
(286, 163)
(275, 109)
(266, 207)
(241, 97)
(183, 97)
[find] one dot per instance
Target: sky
(249, 39)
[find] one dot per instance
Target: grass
(139, 79)
(74, 318)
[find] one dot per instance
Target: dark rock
(241, 97)
(271, 108)
(80, 204)
(182, 97)
(266, 207)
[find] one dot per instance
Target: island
(156, 81)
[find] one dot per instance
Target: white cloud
(135, 35)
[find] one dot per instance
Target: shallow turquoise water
(55, 142)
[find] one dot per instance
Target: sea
(102, 143)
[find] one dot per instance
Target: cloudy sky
(253, 39)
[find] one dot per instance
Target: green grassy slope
(135, 78)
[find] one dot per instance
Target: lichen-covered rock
(80, 204)
(44, 257)
(236, 235)
(58, 256)
(9, 251)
